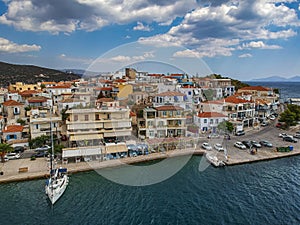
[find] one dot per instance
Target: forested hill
(11, 73)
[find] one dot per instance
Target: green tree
(22, 122)
(225, 126)
(290, 116)
(4, 148)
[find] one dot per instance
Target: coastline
(38, 169)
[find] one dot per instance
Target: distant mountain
(11, 73)
(81, 73)
(278, 79)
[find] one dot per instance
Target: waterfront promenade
(39, 168)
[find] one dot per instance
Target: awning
(116, 148)
(86, 137)
(78, 152)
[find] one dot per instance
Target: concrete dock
(38, 168)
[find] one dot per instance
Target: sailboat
(58, 181)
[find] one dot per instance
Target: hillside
(11, 73)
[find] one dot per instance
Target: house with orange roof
(237, 109)
(209, 121)
(12, 111)
(12, 133)
(37, 101)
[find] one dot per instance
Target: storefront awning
(86, 137)
(116, 148)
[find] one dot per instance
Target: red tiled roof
(28, 93)
(155, 75)
(106, 89)
(62, 86)
(233, 99)
(13, 129)
(105, 100)
(11, 103)
(254, 88)
(168, 108)
(170, 93)
(210, 115)
(37, 99)
(132, 114)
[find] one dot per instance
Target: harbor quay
(26, 169)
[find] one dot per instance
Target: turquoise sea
(258, 193)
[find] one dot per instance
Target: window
(86, 117)
(164, 113)
(37, 126)
(16, 111)
(217, 121)
(205, 120)
(211, 121)
(75, 117)
(189, 93)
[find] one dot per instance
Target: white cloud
(11, 47)
(246, 55)
(209, 29)
(259, 44)
(68, 16)
(142, 27)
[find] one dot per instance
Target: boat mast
(51, 135)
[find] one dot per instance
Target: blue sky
(242, 39)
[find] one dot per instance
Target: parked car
(279, 125)
(283, 135)
(19, 149)
(12, 155)
(43, 148)
(266, 143)
(41, 154)
(296, 135)
(240, 133)
(264, 124)
(255, 144)
(218, 147)
(239, 145)
(213, 135)
(206, 146)
(290, 139)
(247, 144)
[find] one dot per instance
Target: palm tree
(4, 148)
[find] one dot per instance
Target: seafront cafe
(89, 153)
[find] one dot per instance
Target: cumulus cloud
(246, 55)
(210, 27)
(259, 44)
(68, 16)
(142, 27)
(11, 47)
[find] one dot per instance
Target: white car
(13, 155)
(206, 146)
(43, 148)
(283, 135)
(239, 145)
(272, 117)
(218, 147)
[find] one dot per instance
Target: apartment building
(163, 121)
(93, 126)
(40, 123)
